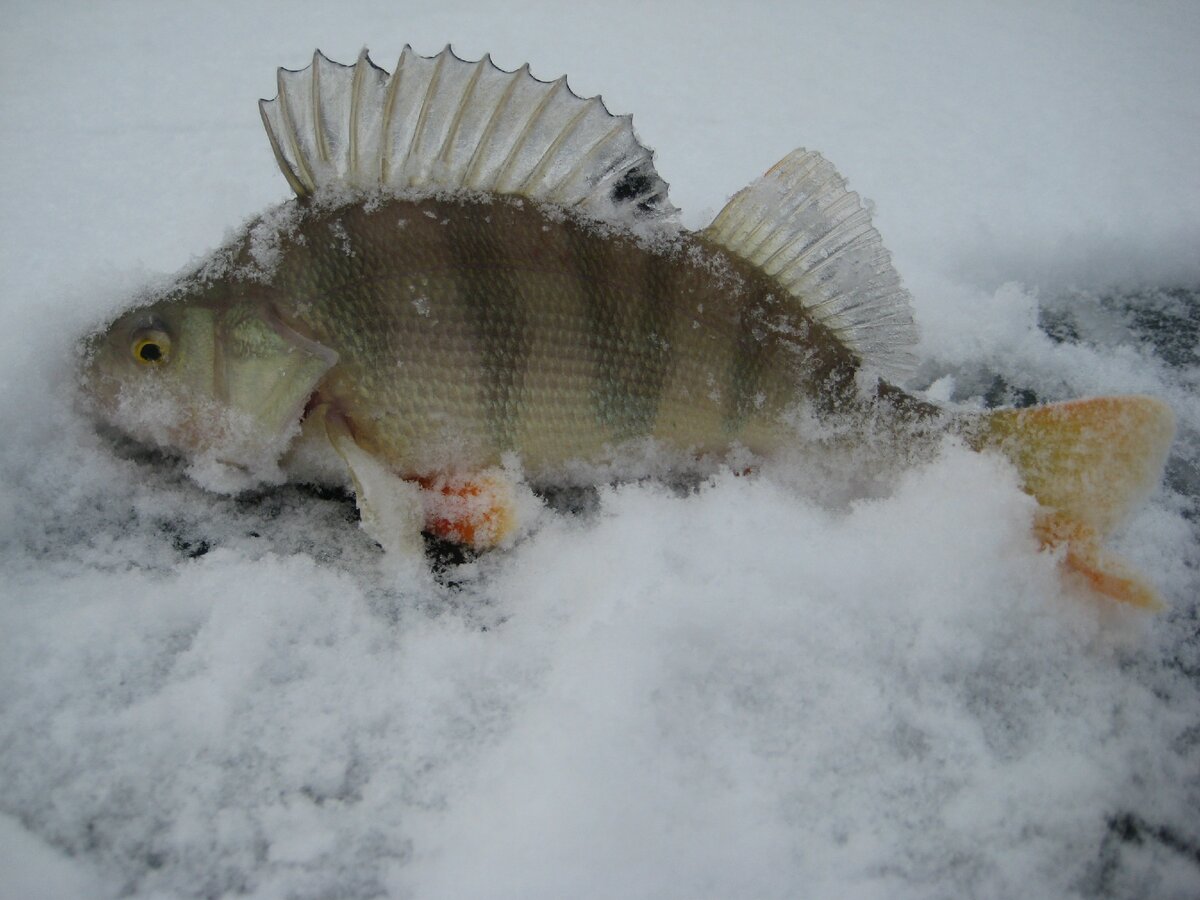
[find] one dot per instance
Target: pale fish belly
(466, 330)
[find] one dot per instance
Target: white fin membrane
(442, 123)
(799, 224)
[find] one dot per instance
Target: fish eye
(151, 347)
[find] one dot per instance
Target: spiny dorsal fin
(800, 224)
(443, 123)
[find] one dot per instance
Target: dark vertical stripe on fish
(496, 315)
(661, 324)
(751, 354)
(627, 305)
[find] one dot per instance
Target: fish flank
(626, 304)
(500, 328)
(751, 356)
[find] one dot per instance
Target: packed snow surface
(770, 686)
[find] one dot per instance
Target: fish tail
(1087, 463)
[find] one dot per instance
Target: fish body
(468, 329)
(480, 266)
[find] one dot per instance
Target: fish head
(222, 383)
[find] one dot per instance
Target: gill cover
(265, 369)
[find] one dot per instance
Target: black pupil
(150, 352)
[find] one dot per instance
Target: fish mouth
(314, 400)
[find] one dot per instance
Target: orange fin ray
(478, 510)
(1103, 571)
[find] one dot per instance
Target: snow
(758, 689)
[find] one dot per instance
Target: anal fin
(479, 511)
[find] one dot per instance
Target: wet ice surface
(737, 691)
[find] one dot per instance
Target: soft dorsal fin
(443, 123)
(799, 224)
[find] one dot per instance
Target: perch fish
(481, 273)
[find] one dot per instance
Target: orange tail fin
(1088, 463)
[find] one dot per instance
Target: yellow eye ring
(151, 347)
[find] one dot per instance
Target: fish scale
(562, 351)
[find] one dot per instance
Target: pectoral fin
(479, 510)
(389, 507)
